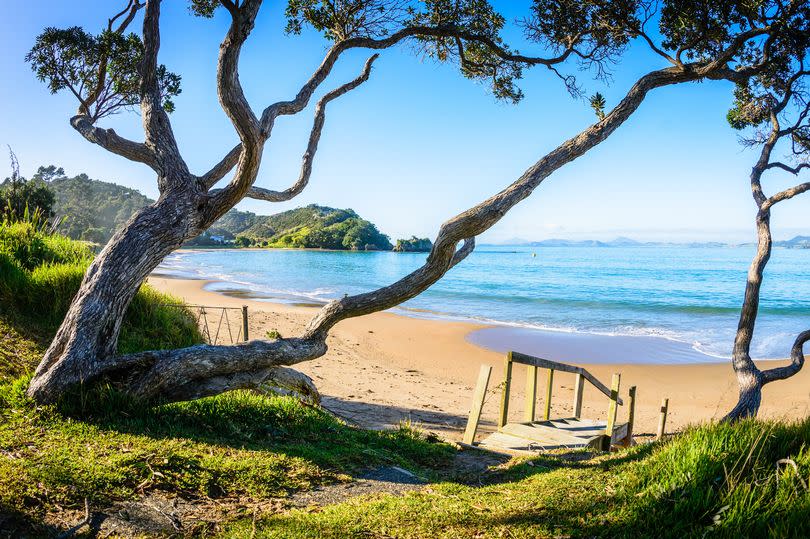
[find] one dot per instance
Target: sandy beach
(385, 368)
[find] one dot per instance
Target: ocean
(688, 295)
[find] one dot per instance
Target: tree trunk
(88, 336)
(749, 377)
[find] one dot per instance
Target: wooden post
(531, 393)
(245, 322)
(549, 387)
(477, 404)
(612, 409)
(631, 416)
(507, 382)
(662, 419)
(579, 386)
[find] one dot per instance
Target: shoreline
(493, 335)
(387, 367)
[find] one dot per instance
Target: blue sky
(417, 143)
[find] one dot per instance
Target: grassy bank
(720, 481)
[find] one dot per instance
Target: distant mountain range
(799, 242)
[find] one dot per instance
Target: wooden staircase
(531, 435)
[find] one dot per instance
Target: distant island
(798, 242)
(92, 210)
(414, 245)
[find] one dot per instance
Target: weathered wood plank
(479, 395)
(507, 382)
(631, 416)
(531, 393)
(549, 389)
(612, 405)
(524, 359)
(662, 418)
(579, 386)
(543, 435)
(500, 442)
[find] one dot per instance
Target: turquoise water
(686, 294)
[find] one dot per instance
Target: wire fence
(219, 325)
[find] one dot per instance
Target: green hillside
(316, 227)
(93, 210)
(90, 210)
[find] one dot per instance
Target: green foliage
(31, 247)
(243, 241)
(90, 210)
(598, 105)
(101, 71)
(21, 198)
(414, 245)
(317, 227)
(40, 273)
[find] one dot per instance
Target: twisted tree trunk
(750, 378)
(88, 336)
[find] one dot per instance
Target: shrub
(40, 273)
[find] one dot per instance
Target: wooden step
(544, 435)
(566, 433)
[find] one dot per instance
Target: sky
(417, 143)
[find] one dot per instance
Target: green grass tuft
(718, 480)
(40, 273)
(236, 444)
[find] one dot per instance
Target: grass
(719, 480)
(40, 273)
(233, 445)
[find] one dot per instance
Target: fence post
(531, 393)
(662, 419)
(631, 416)
(612, 409)
(549, 387)
(245, 322)
(579, 386)
(477, 404)
(507, 382)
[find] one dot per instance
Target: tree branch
(112, 142)
(301, 100)
(210, 178)
(314, 139)
(793, 170)
(156, 124)
(786, 195)
(797, 361)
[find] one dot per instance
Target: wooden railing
(533, 363)
(613, 434)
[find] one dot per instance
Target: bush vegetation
(40, 272)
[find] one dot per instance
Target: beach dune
(385, 368)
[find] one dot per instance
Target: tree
(775, 106)
(20, 197)
(698, 40)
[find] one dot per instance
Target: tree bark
(750, 378)
(88, 336)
